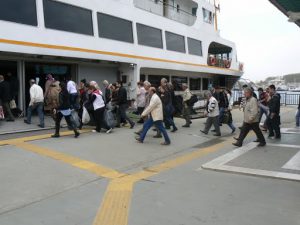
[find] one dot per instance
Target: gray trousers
(212, 121)
(186, 112)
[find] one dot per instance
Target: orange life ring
(212, 61)
(227, 63)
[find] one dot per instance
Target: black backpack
(193, 100)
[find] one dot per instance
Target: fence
(287, 98)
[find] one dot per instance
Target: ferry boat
(128, 40)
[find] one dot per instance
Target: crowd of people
(155, 106)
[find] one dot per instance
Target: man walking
(212, 111)
(36, 103)
(155, 110)
(251, 117)
(72, 89)
(273, 122)
(186, 106)
(5, 97)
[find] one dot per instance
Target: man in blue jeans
(155, 110)
(36, 103)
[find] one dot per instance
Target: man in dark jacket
(273, 122)
(122, 103)
(223, 103)
(5, 97)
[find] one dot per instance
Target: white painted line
(290, 130)
(284, 145)
(293, 163)
(222, 160)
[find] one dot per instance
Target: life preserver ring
(227, 63)
(212, 61)
(241, 67)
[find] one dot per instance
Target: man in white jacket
(213, 115)
(36, 103)
(155, 110)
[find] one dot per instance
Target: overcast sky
(266, 42)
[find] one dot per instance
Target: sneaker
(132, 125)
(237, 144)
(55, 136)
(139, 140)
(174, 129)
(109, 131)
(76, 134)
(261, 144)
(157, 136)
(26, 121)
(203, 131)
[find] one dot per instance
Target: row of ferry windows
(61, 16)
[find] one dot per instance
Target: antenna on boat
(217, 8)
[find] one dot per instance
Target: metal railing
(286, 98)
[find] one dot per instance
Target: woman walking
(63, 110)
(99, 108)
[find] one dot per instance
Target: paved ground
(112, 180)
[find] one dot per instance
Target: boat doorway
(39, 70)
(9, 69)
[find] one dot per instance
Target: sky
(266, 42)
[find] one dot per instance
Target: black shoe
(186, 125)
(261, 144)
(165, 143)
(218, 135)
(256, 140)
(278, 137)
(139, 140)
(174, 129)
(271, 136)
(235, 138)
(55, 136)
(237, 144)
(213, 130)
(132, 125)
(41, 126)
(76, 134)
(10, 120)
(157, 136)
(203, 131)
(167, 128)
(191, 122)
(137, 133)
(26, 121)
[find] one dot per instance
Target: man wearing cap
(36, 103)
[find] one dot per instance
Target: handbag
(12, 104)
(226, 117)
(85, 116)
(1, 113)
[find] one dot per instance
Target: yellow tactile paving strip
(115, 205)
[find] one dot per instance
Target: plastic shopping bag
(85, 116)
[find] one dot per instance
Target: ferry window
(142, 77)
(195, 47)
(149, 36)
(207, 16)
(178, 81)
(205, 84)
(114, 28)
(195, 83)
(61, 16)
(19, 11)
(175, 42)
(155, 80)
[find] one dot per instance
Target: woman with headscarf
(64, 110)
(99, 107)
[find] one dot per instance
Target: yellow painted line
(116, 202)
(39, 137)
(75, 49)
(115, 206)
(73, 161)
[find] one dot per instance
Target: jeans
(221, 115)
(245, 130)
(231, 126)
(262, 112)
(39, 106)
(298, 118)
(149, 123)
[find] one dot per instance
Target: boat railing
(218, 62)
